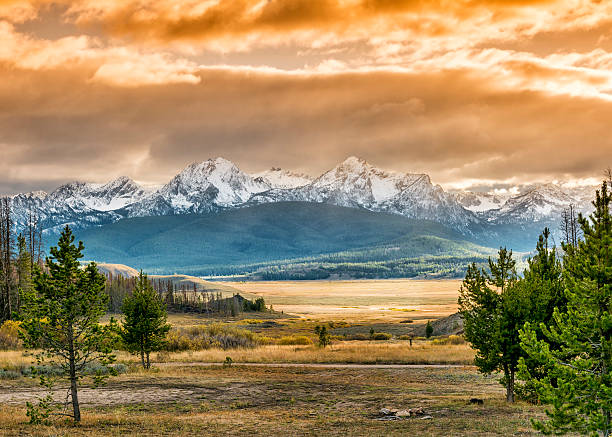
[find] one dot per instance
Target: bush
(359, 337)
(381, 336)
(451, 339)
(294, 340)
(215, 335)
(9, 374)
(9, 336)
(406, 337)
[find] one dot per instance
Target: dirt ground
(241, 400)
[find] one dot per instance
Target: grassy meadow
(283, 383)
(367, 300)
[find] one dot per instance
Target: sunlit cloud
(470, 91)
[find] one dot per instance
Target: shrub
(294, 340)
(359, 337)
(406, 337)
(9, 374)
(451, 339)
(381, 336)
(215, 335)
(9, 336)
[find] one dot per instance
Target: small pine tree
(144, 327)
(324, 337)
(428, 329)
(577, 347)
(61, 314)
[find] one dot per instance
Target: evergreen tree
(324, 337)
(428, 329)
(543, 286)
(578, 384)
(493, 310)
(144, 327)
(61, 316)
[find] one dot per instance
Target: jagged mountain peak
(278, 178)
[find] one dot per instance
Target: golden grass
(364, 352)
(353, 352)
(358, 300)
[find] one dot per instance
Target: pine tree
(428, 329)
(493, 310)
(144, 327)
(543, 286)
(324, 336)
(578, 384)
(61, 316)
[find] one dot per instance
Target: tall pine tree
(577, 349)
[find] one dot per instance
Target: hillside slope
(213, 243)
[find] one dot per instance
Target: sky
(475, 93)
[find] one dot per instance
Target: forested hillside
(293, 237)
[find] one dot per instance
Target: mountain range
(218, 185)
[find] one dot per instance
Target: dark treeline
(181, 298)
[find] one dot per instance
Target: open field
(275, 389)
(282, 401)
(387, 301)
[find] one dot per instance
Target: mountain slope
(264, 234)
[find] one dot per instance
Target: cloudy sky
(473, 92)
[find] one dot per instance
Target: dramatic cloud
(472, 92)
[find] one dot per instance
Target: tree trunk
(73, 383)
(510, 385)
(142, 359)
(148, 360)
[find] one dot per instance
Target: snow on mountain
(283, 179)
(423, 200)
(542, 202)
(480, 202)
(356, 183)
(217, 184)
(201, 187)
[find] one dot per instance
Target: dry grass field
(386, 300)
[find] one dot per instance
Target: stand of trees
(182, 298)
(553, 325)
(16, 263)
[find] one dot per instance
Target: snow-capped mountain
(480, 202)
(537, 204)
(77, 204)
(283, 179)
(356, 183)
(201, 187)
(218, 184)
